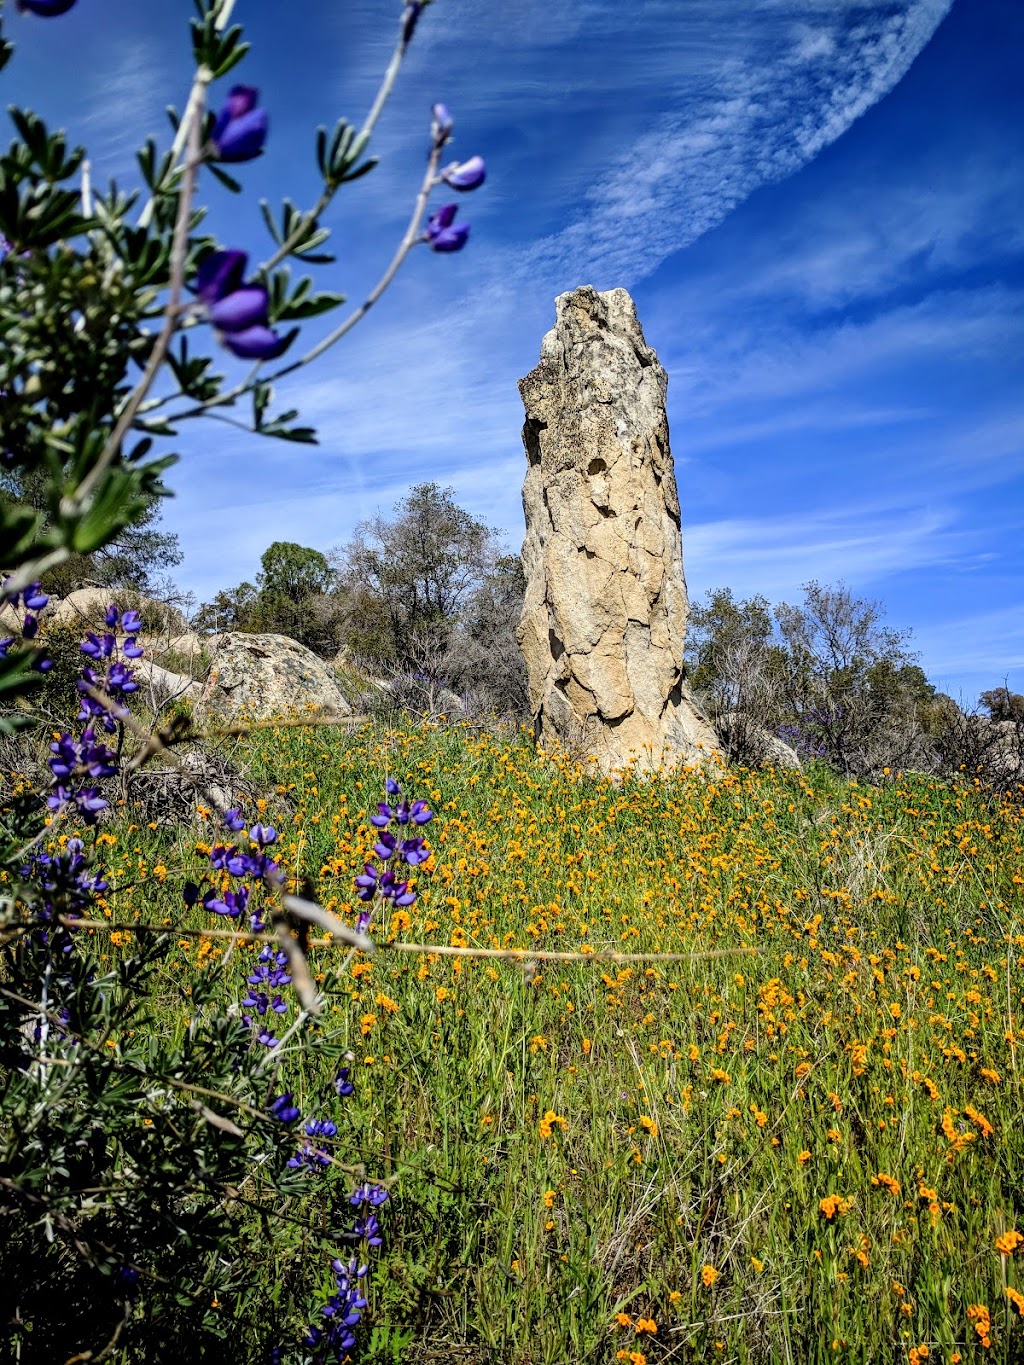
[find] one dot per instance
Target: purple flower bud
(241, 129)
(442, 124)
(111, 616)
(465, 176)
(442, 233)
(392, 788)
(47, 8)
(29, 628)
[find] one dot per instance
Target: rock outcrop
(605, 611)
(264, 675)
(84, 609)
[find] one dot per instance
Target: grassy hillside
(800, 1140)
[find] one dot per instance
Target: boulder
(604, 616)
(265, 675)
(85, 608)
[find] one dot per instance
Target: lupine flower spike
(238, 311)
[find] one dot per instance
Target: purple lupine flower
(258, 343)
(466, 175)
(233, 820)
(383, 817)
(321, 1128)
(231, 903)
(342, 1311)
(63, 882)
(368, 1193)
(97, 648)
(443, 233)
(47, 8)
(237, 310)
(263, 834)
(413, 852)
(309, 1158)
(366, 882)
(385, 846)
(343, 1083)
(243, 308)
(283, 1110)
(241, 128)
(367, 1229)
(392, 788)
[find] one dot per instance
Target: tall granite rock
(605, 612)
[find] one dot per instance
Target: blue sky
(818, 206)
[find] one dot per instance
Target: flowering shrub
(137, 1163)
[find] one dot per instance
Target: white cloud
(774, 556)
(766, 114)
(127, 95)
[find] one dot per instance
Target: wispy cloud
(764, 117)
(124, 97)
(859, 545)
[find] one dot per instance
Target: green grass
(856, 1037)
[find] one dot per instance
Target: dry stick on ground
(441, 949)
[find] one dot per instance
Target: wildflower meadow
(430, 1045)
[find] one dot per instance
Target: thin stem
(179, 252)
(397, 946)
